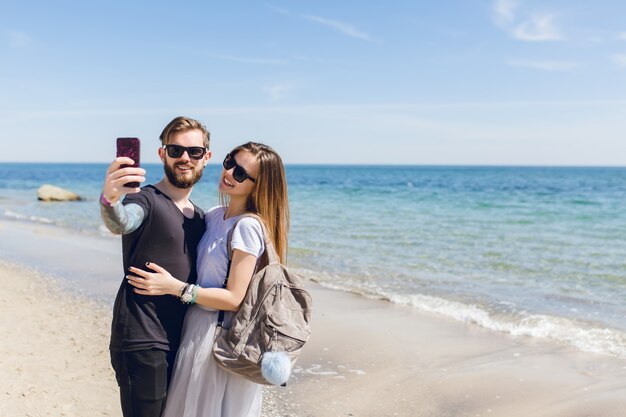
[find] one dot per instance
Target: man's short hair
(183, 124)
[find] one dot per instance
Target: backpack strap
(270, 252)
(220, 316)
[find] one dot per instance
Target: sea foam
(35, 219)
(582, 336)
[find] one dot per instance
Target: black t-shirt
(169, 239)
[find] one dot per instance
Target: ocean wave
(78, 227)
(35, 219)
(579, 335)
(574, 333)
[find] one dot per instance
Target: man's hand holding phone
(121, 172)
(124, 175)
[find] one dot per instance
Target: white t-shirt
(212, 259)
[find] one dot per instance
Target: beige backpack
(271, 326)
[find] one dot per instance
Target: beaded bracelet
(194, 294)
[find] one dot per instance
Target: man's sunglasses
(239, 174)
(176, 151)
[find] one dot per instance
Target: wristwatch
(187, 295)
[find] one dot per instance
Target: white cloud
(344, 28)
(622, 36)
(523, 25)
(277, 92)
(538, 28)
(504, 10)
(19, 40)
(543, 65)
(619, 60)
(318, 109)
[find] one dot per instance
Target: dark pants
(143, 377)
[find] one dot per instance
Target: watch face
(186, 297)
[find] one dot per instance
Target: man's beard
(181, 181)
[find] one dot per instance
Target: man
(159, 224)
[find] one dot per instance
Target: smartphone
(129, 147)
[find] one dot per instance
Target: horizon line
(357, 164)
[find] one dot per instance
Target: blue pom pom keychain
(276, 367)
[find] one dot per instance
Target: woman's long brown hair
(269, 198)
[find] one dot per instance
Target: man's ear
(208, 156)
(161, 154)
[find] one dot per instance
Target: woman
(252, 181)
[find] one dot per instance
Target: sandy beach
(365, 357)
(54, 353)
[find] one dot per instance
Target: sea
(528, 251)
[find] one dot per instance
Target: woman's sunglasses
(239, 174)
(176, 151)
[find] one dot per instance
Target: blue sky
(413, 82)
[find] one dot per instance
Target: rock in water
(49, 192)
